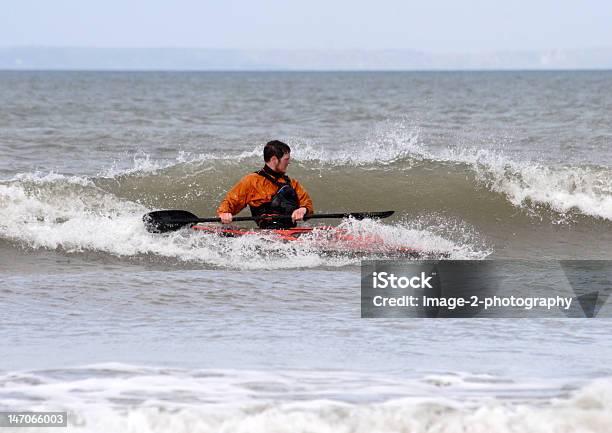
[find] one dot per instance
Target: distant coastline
(201, 59)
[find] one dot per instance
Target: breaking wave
(395, 157)
(73, 214)
(121, 398)
(439, 197)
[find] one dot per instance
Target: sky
(437, 26)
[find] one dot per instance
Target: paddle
(162, 221)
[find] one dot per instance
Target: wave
(445, 199)
(398, 155)
(119, 397)
(488, 186)
(74, 214)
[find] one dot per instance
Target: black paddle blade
(371, 215)
(162, 221)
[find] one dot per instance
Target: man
(269, 191)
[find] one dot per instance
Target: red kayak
(332, 240)
(325, 239)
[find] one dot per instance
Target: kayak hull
(330, 240)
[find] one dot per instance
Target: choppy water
(185, 332)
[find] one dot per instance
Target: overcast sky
(423, 25)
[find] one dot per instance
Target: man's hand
(226, 218)
(298, 214)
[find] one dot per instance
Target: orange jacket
(255, 190)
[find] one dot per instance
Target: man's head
(277, 155)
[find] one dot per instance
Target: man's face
(283, 163)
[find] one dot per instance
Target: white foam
(121, 398)
(141, 162)
(41, 178)
(563, 189)
(415, 235)
(389, 143)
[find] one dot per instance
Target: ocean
(130, 331)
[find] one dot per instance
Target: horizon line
(603, 69)
(415, 50)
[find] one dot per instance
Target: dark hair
(275, 148)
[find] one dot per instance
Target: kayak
(327, 239)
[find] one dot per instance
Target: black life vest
(284, 202)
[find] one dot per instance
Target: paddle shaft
(163, 221)
(257, 218)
